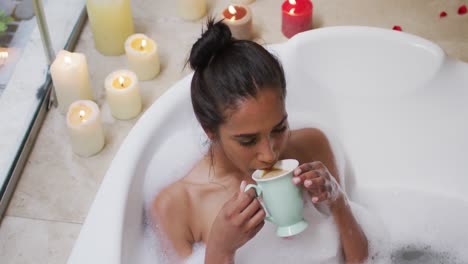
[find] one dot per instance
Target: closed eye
(249, 142)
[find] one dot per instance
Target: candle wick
(122, 81)
(143, 44)
(82, 115)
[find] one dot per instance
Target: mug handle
(258, 192)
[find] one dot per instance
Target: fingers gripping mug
(282, 199)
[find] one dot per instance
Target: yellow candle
(142, 56)
(123, 94)
(70, 76)
(191, 9)
(85, 128)
(239, 20)
(111, 23)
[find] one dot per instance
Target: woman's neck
(221, 167)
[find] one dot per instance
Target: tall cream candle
(239, 20)
(111, 23)
(142, 56)
(123, 94)
(85, 128)
(70, 76)
(191, 9)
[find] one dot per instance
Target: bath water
(318, 244)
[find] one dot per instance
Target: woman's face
(256, 132)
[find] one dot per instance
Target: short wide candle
(70, 76)
(191, 9)
(85, 128)
(239, 20)
(142, 56)
(123, 94)
(111, 23)
(297, 16)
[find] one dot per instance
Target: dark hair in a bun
(213, 39)
(227, 71)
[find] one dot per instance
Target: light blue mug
(282, 199)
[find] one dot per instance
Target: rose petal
(462, 10)
(397, 28)
(443, 14)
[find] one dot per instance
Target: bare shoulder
(308, 139)
(311, 144)
(170, 212)
(172, 198)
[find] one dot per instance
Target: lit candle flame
(143, 44)
(121, 81)
(3, 55)
(292, 11)
(67, 60)
(233, 12)
(292, 2)
(82, 115)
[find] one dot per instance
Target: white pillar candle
(239, 20)
(70, 76)
(142, 56)
(123, 94)
(242, 2)
(111, 23)
(85, 128)
(191, 9)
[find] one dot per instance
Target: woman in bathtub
(238, 94)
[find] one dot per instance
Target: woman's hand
(318, 182)
(240, 219)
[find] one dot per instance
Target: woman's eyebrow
(246, 135)
(249, 135)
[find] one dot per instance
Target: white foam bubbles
(173, 159)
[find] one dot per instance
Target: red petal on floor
(443, 14)
(397, 28)
(462, 10)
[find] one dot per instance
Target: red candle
(239, 20)
(297, 16)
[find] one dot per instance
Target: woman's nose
(266, 153)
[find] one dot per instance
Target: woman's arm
(169, 215)
(353, 239)
(321, 180)
(240, 219)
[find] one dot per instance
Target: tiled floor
(57, 188)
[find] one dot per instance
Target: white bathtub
(395, 102)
